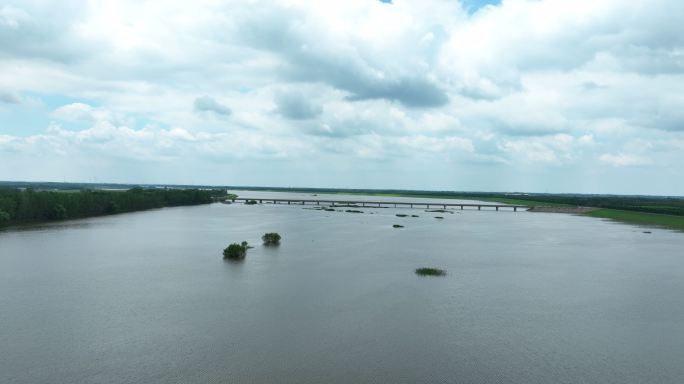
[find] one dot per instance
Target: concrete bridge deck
(379, 204)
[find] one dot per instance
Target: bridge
(377, 204)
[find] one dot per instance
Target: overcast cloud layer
(538, 95)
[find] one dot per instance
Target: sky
(567, 96)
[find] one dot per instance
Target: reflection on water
(528, 298)
(51, 226)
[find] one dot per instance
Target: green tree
(4, 218)
(58, 212)
(112, 207)
(235, 251)
(271, 238)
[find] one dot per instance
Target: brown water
(529, 298)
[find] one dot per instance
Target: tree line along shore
(25, 206)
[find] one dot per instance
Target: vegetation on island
(236, 251)
(21, 206)
(251, 202)
(397, 226)
(271, 238)
(430, 272)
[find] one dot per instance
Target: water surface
(529, 298)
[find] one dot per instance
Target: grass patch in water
(430, 272)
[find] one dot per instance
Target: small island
(397, 226)
(236, 251)
(271, 238)
(430, 272)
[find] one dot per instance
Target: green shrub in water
(271, 238)
(430, 272)
(235, 251)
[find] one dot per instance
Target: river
(529, 298)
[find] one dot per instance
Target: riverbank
(28, 206)
(640, 218)
(571, 210)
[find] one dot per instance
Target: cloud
(313, 52)
(623, 160)
(521, 85)
(9, 97)
(296, 105)
(554, 150)
(32, 31)
(209, 104)
(75, 112)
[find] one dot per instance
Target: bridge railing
(365, 203)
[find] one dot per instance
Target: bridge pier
(497, 208)
(479, 207)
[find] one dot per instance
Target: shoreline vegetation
(29, 206)
(640, 218)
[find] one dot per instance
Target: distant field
(669, 221)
